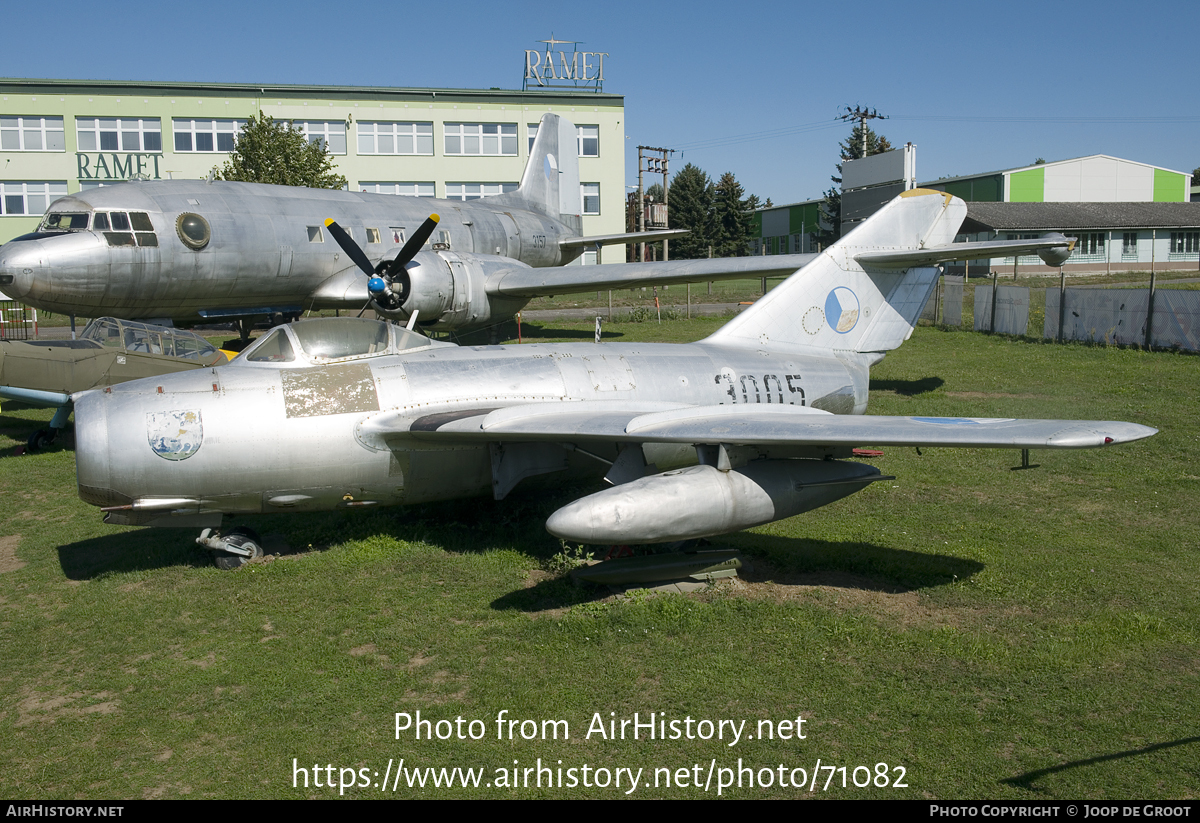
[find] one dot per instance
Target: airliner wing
(526, 282)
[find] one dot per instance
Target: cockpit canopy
(327, 339)
(143, 338)
(120, 228)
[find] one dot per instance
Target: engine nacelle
(1059, 254)
(449, 289)
(702, 501)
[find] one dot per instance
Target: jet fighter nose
(20, 263)
(92, 460)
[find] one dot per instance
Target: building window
(395, 138)
(484, 139)
(402, 189)
(206, 135)
(1185, 245)
(118, 134)
(589, 194)
(1089, 245)
(474, 191)
(32, 134)
(1129, 245)
(331, 135)
(29, 198)
(589, 140)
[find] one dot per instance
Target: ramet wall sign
(114, 166)
(552, 69)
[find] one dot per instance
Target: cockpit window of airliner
(65, 221)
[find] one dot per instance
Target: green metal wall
(1027, 186)
(988, 189)
(1169, 187)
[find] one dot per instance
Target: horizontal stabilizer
(1051, 244)
(625, 238)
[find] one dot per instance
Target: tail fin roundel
(836, 302)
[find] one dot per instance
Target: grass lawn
(963, 631)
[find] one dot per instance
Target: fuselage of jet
(250, 415)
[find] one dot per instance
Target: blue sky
(748, 88)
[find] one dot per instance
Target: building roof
(1089, 216)
(160, 87)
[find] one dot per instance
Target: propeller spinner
(387, 272)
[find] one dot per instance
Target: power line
(788, 131)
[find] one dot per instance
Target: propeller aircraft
(183, 251)
(755, 423)
(45, 373)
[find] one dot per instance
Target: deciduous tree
(275, 151)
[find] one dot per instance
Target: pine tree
(691, 208)
(731, 218)
(270, 151)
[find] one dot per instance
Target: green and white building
(60, 136)
(1097, 178)
(1125, 215)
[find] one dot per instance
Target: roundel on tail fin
(841, 309)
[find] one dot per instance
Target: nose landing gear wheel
(233, 550)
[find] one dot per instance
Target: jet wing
(746, 425)
(1051, 244)
(524, 282)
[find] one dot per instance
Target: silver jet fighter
(180, 251)
(747, 426)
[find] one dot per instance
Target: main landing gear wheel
(41, 439)
(233, 550)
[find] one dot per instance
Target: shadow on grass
(908, 388)
(786, 561)
(129, 551)
(481, 524)
(1027, 780)
(467, 526)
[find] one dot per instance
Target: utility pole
(651, 165)
(862, 115)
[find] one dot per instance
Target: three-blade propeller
(382, 276)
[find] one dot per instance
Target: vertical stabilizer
(836, 303)
(550, 184)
